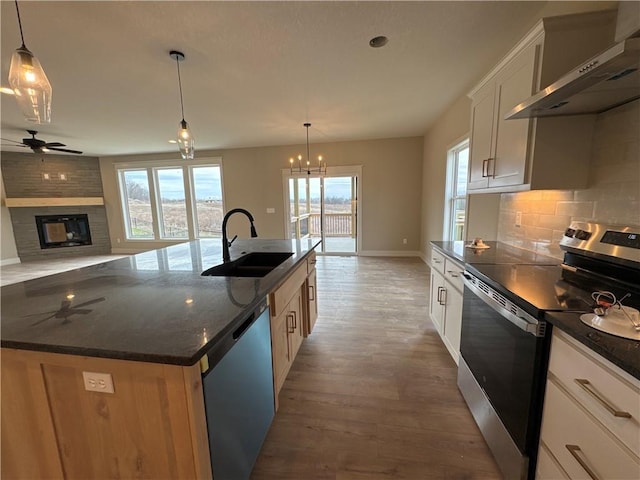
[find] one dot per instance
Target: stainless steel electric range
(506, 338)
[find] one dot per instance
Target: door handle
(312, 293)
(290, 327)
(442, 295)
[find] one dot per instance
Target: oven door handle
(523, 320)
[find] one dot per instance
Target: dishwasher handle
(237, 333)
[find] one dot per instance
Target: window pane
(302, 196)
(304, 227)
(337, 207)
(173, 207)
(292, 202)
(207, 188)
(461, 177)
(139, 220)
(314, 203)
(459, 209)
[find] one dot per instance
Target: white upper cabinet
(546, 153)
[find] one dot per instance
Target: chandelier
(319, 168)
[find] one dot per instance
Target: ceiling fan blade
(64, 150)
(12, 141)
(53, 144)
(21, 145)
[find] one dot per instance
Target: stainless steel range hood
(606, 81)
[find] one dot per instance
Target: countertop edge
(186, 360)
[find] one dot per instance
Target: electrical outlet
(46, 176)
(63, 177)
(98, 382)
(404, 241)
(518, 219)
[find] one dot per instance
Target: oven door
(505, 354)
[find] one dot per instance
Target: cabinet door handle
(290, 327)
(295, 320)
(312, 293)
(585, 385)
(435, 260)
(485, 168)
(573, 450)
(452, 273)
(442, 295)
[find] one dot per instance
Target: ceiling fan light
(186, 144)
(31, 86)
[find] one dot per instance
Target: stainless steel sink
(256, 264)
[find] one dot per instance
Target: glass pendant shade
(185, 141)
(31, 86)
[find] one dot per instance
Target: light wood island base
(152, 426)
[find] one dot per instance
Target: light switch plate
(518, 219)
(271, 210)
(98, 382)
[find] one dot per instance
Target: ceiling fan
(40, 146)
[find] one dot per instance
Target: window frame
(451, 189)
(152, 167)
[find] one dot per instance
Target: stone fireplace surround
(26, 232)
(24, 180)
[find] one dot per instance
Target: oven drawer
(609, 397)
(582, 447)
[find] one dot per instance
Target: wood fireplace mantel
(53, 201)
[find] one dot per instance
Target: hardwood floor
(372, 393)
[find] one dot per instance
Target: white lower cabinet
(590, 424)
(445, 303)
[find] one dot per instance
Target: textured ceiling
(254, 71)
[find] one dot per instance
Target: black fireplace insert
(63, 230)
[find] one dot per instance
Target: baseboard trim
(388, 253)
(9, 261)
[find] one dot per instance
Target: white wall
(252, 179)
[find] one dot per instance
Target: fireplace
(63, 230)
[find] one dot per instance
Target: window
(170, 202)
(134, 186)
(456, 191)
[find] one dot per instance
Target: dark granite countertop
(620, 351)
(498, 253)
(492, 262)
(153, 307)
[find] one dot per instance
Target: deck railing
(335, 224)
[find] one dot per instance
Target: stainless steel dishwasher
(238, 395)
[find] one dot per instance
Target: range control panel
(616, 241)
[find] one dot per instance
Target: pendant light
(320, 168)
(29, 83)
(185, 139)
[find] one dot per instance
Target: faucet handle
(232, 240)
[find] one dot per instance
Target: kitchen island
(146, 321)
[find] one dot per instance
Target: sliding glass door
(326, 208)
